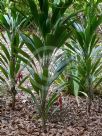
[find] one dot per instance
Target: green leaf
(24, 54)
(23, 80)
(3, 21)
(35, 86)
(37, 78)
(4, 58)
(2, 62)
(51, 101)
(100, 80)
(95, 65)
(39, 47)
(45, 75)
(2, 79)
(18, 64)
(58, 71)
(6, 52)
(44, 6)
(26, 61)
(4, 71)
(34, 11)
(29, 42)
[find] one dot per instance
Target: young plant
(88, 51)
(9, 63)
(51, 35)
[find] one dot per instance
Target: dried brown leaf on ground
(71, 121)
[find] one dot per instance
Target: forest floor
(72, 120)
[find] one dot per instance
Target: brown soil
(71, 121)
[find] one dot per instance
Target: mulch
(72, 120)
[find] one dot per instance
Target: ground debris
(71, 121)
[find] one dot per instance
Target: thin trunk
(13, 91)
(43, 114)
(89, 105)
(44, 124)
(12, 73)
(90, 95)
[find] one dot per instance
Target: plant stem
(90, 95)
(13, 90)
(43, 114)
(44, 124)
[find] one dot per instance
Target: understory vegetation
(50, 49)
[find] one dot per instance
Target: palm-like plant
(9, 64)
(51, 35)
(88, 51)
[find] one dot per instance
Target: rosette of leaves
(87, 50)
(51, 34)
(10, 65)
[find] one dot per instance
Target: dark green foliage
(51, 36)
(10, 64)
